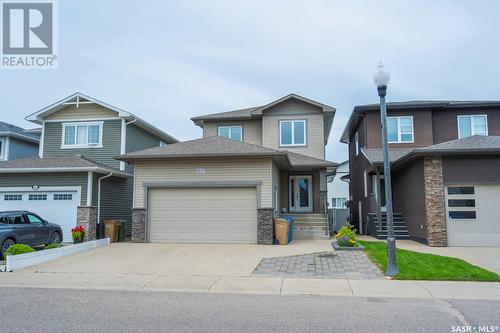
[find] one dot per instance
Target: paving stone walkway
(320, 265)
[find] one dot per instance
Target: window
(2, 149)
(64, 196)
(356, 140)
(33, 219)
(82, 135)
(16, 219)
(292, 133)
(462, 214)
(37, 197)
(231, 132)
(461, 190)
(461, 203)
(400, 129)
(13, 197)
(163, 144)
(472, 125)
(339, 202)
(365, 176)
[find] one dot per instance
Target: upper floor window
(163, 144)
(356, 142)
(400, 129)
(472, 125)
(231, 132)
(82, 135)
(292, 133)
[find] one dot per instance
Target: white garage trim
(78, 189)
(191, 184)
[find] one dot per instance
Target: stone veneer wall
(265, 227)
(86, 216)
(434, 201)
(138, 225)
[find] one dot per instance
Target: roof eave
(194, 156)
(20, 136)
(67, 169)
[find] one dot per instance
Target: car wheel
(56, 238)
(5, 246)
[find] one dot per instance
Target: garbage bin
(121, 232)
(291, 221)
(111, 228)
(281, 229)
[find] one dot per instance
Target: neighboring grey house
(226, 187)
(75, 178)
(16, 142)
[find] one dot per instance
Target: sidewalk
(255, 285)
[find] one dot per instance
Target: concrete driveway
(177, 259)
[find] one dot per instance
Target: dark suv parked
(26, 228)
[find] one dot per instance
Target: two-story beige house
(250, 166)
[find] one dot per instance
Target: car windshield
(33, 219)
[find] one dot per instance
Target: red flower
(77, 229)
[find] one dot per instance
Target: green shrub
(346, 236)
(19, 249)
(51, 246)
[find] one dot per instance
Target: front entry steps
(310, 226)
(400, 229)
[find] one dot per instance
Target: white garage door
(473, 215)
(203, 215)
(55, 207)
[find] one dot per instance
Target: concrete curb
(255, 285)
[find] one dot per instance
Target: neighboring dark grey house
(16, 142)
(445, 161)
(76, 179)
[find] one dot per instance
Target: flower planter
(337, 247)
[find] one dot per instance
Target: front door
(300, 194)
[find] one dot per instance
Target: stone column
(434, 201)
(138, 225)
(265, 230)
(86, 216)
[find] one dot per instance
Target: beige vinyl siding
(82, 112)
(252, 129)
(48, 179)
(216, 170)
(111, 143)
(315, 139)
(277, 184)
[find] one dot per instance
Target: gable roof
(79, 98)
(359, 110)
(256, 113)
(217, 146)
(18, 132)
(58, 163)
(472, 145)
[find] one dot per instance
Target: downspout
(99, 196)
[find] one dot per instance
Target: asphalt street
(63, 310)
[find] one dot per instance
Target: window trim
(2, 148)
(82, 123)
(471, 116)
(398, 118)
(230, 131)
(304, 121)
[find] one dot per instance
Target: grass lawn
(423, 266)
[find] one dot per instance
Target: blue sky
(167, 61)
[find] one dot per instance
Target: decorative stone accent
(86, 216)
(265, 230)
(434, 201)
(138, 225)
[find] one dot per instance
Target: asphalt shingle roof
(241, 113)
(468, 145)
(5, 127)
(216, 146)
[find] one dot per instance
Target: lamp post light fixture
(381, 79)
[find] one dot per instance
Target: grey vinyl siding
(20, 149)
(138, 139)
(116, 201)
(111, 143)
(47, 179)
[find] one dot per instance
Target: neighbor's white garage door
(203, 215)
(55, 207)
(473, 215)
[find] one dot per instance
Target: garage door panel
(203, 215)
